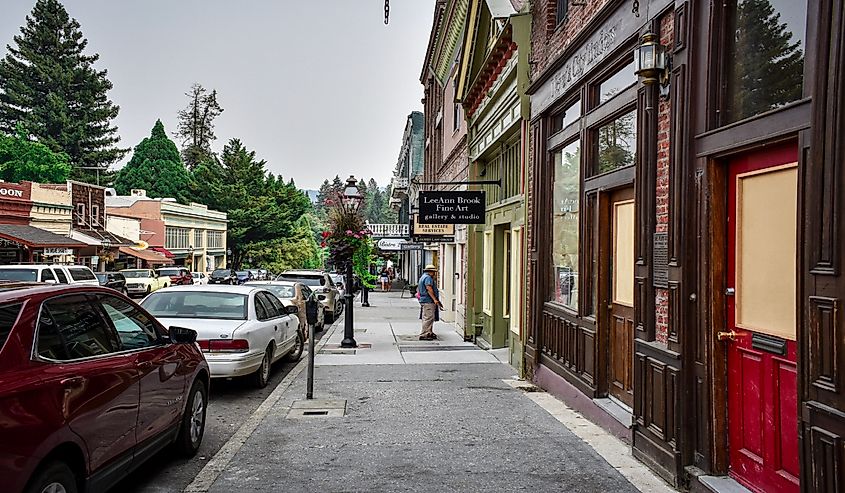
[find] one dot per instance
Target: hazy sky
(317, 88)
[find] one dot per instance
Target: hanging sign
(464, 207)
(391, 244)
(55, 252)
(408, 246)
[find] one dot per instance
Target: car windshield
(135, 274)
(242, 273)
(286, 292)
(220, 273)
(102, 277)
(18, 274)
(168, 272)
(196, 275)
(197, 304)
(307, 280)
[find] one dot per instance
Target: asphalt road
(230, 403)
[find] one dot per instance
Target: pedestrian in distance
(430, 305)
(383, 279)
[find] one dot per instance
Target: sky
(316, 88)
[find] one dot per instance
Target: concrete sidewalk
(417, 416)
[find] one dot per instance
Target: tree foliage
(49, 84)
(155, 167)
(196, 125)
(24, 159)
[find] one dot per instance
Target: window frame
(36, 356)
(159, 339)
(561, 12)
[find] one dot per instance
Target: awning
(163, 251)
(500, 8)
(96, 237)
(147, 255)
(35, 237)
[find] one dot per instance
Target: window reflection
(766, 58)
(567, 176)
(617, 143)
(567, 117)
(622, 79)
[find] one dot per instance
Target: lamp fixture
(351, 198)
(653, 64)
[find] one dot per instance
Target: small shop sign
(10, 192)
(55, 252)
(408, 246)
(463, 207)
(391, 244)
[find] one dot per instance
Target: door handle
(73, 382)
(729, 335)
(145, 365)
(275, 327)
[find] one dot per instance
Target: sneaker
(430, 337)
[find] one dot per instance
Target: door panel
(762, 370)
(621, 266)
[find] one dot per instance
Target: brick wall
(662, 184)
(548, 40)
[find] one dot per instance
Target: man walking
(429, 297)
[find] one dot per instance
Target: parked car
(340, 283)
(255, 274)
(144, 281)
(92, 386)
(113, 280)
(297, 294)
(179, 276)
(244, 276)
(223, 276)
(322, 284)
(242, 330)
(263, 275)
(55, 274)
(200, 278)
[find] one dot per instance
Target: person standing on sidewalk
(430, 305)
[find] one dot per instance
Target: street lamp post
(365, 294)
(106, 244)
(351, 201)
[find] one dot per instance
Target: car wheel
(262, 374)
(193, 421)
(296, 352)
(55, 477)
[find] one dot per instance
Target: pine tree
(48, 84)
(155, 167)
(196, 125)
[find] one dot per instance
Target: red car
(179, 276)
(91, 385)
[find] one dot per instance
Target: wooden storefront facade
(685, 241)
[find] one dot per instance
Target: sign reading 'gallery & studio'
(465, 207)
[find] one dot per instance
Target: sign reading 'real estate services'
(465, 207)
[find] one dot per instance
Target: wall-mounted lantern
(653, 63)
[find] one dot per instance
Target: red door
(762, 374)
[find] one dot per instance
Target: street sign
(391, 244)
(407, 246)
(54, 252)
(431, 229)
(464, 207)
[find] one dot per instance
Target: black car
(114, 280)
(223, 276)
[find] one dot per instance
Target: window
(506, 272)
(135, 330)
(197, 304)
(617, 143)
(618, 82)
(81, 274)
(562, 11)
(60, 274)
(277, 305)
(8, 317)
(565, 222)
(765, 56)
(215, 239)
(95, 215)
(487, 276)
(176, 238)
(199, 238)
(567, 117)
(47, 275)
(70, 328)
(80, 213)
(21, 274)
(456, 113)
(263, 308)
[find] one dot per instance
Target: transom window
(617, 143)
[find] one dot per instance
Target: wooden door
(621, 319)
(762, 370)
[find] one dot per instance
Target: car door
(96, 385)
(160, 366)
(268, 318)
(287, 323)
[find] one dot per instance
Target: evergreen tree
(768, 68)
(196, 125)
(48, 84)
(155, 167)
(24, 159)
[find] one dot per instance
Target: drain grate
(337, 351)
(413, 349)
(315, 413)
(317, 408)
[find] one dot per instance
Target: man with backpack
(429, 297)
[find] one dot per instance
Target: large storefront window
(765, 56)
(617, 143)
(616, 83)
(567, 184)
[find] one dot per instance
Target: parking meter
(311, 307)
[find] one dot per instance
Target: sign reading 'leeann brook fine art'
(451, 207)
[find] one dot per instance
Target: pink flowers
(325, 234)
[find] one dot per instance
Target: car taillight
(224, 346)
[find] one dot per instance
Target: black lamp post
(351, 202)
(106, 244)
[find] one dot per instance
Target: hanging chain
(386, 11)
(635, 10)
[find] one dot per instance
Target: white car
(242, 330)
(200, 278)
(144, 281)
(53, 274)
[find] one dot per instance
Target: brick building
(684, 233)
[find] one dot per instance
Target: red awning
(163, 251)
(149, 256)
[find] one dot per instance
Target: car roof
(303, 273)
(213, 288)
(13, 291)
(35, 266)
(124, 270)
(271, 283)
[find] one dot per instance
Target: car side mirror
(340, 284)
(291, 310)
(181, 335)
(50, 281)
